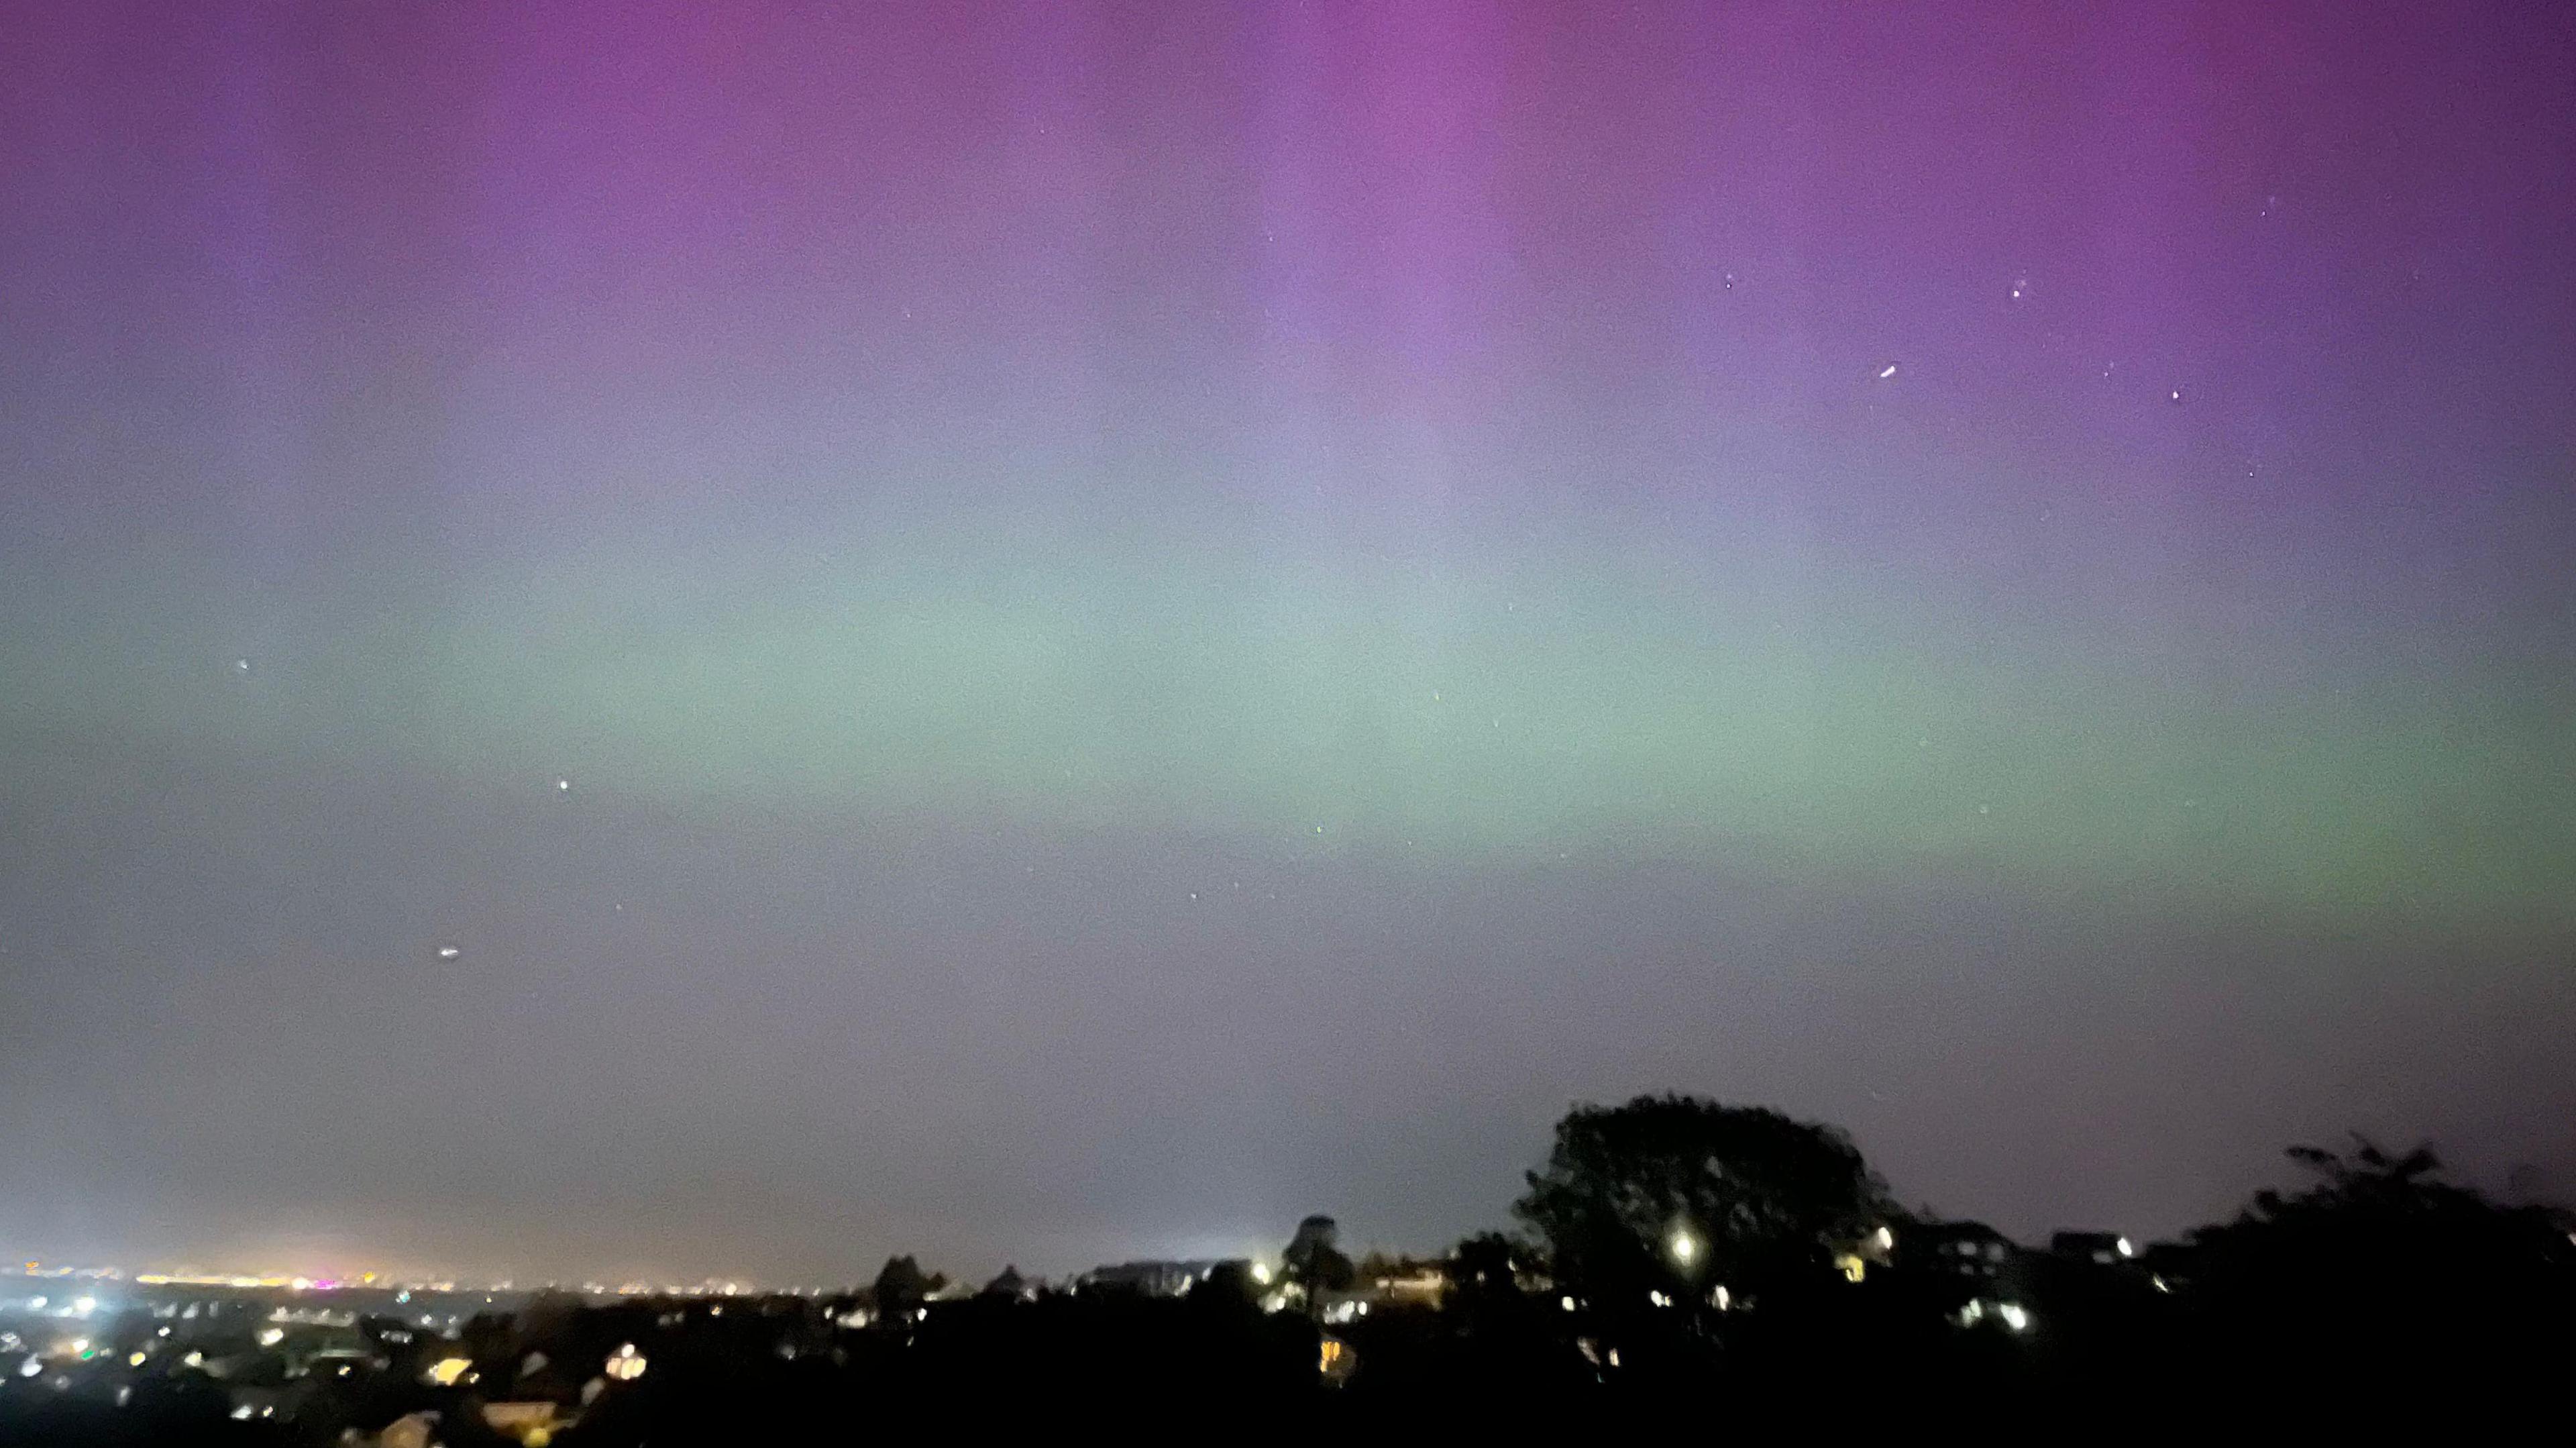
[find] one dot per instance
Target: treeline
(1672, 1255)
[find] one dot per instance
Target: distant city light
(446, 1372)
(271, 1336)
(1684, 1247)
(1566, 1302)
(625, 1364)
(2015, 1316)
(1886, 1239)
(2126, 1248)
(1261, 1273)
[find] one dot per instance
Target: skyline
(1068, 632)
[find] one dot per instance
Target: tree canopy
(901, 1287)
(1684, 1193)
(2381, 1258)
(1314, 1263)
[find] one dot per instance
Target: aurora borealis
(1159, 618)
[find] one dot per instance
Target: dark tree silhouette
(2382, 1265)
(902, 1287)
(1229, 1285)
(1314, 1264)
(1487, 1264)
(1680, 1195)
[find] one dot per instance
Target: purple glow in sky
(746, 637)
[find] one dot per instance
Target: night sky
(695, 639)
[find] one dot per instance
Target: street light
(1684, 1246)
